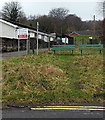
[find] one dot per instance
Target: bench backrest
(63, 47)
(81, 47)
(98, 46)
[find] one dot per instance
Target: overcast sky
(85, 9)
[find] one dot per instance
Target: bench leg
(54, 51)
(72, 52)
(81, 52)
(100, 51)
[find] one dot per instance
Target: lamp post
(37, 36)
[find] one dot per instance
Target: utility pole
(104, 10)
(37, 36)
(94, 26)
(104, 23)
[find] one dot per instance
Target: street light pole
(37, 36)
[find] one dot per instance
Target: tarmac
(73, 110)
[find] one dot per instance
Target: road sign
(32, 35)
(22, 33)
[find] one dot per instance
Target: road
(13, 54)
(27, 112)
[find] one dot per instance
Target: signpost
(22, 34)
(37, 36)
(18, 46)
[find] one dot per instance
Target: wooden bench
(63, 48)
(90, 47)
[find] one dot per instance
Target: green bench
(63, 48)
(90, 47)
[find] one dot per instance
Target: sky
(85, 9)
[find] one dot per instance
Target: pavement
(7, 55)
(96, 111)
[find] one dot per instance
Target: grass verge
(53, 79)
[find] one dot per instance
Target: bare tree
(13, 11)
(59, 13)
(103, 9)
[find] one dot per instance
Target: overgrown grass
(53, 79)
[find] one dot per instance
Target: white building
(8, 30)
(9, 37)
(1, 16)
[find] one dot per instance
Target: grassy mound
(53, 79)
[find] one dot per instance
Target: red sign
(22, 36)
(22, 33)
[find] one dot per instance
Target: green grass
(53, 79)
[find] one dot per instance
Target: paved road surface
(13, 54)
(26, 112)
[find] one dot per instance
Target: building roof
(63, 35)
(8, 23)
(89, 32)
(19, 25)
(74, 33)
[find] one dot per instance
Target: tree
(103, 9)
(13, 11)
(31, 21)
(57, 16)
(73, 23)
(59, 13)
(45, 23)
